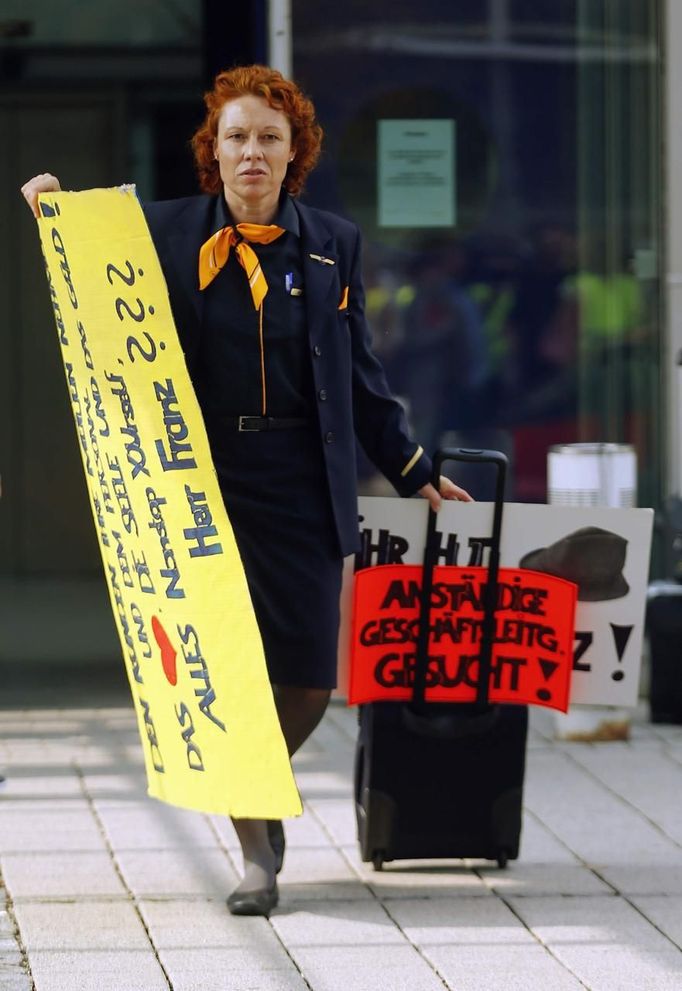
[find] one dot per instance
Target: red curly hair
(280, 94)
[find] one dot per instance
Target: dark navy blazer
(353, 397)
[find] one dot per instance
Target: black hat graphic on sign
(591, 557)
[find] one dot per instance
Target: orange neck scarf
(214, 253)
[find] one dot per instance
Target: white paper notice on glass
(416, 173)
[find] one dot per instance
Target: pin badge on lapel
(322, 259)
(289, 285)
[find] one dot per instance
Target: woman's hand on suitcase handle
(448, 490)
(43, 183)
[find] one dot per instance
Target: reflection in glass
(533, 319)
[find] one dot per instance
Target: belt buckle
(242, 425)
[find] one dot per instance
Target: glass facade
(524, 310)
(501, 157)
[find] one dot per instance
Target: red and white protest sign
(532, 654)
(605, 551)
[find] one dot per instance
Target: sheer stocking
(299, 710)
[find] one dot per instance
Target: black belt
(255, 423)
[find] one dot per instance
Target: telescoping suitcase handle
(419, 704)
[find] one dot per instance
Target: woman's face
(253, 149)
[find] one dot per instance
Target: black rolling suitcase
(664, 628)
(443, 780)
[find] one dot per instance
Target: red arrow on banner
(168, 651)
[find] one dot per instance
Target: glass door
(502, 161)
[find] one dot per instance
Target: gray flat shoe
(261, 901)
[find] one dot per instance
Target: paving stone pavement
(108, 890)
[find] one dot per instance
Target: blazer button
(329, 437)
(317, 350)
(322, 395)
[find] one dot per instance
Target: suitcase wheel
(502, 859)
(378, 860)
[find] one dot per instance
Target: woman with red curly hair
(268, 301)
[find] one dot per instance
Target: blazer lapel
(320, 263)
(178, 249)
(191, 231)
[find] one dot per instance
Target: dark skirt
(275, 491)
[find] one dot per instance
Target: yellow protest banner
(189, 637)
